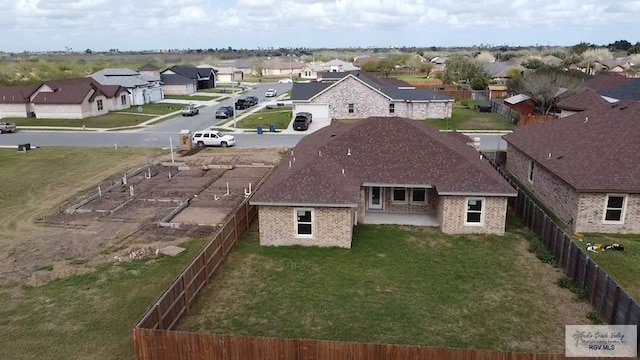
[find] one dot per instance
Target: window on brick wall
(304, 222)
(392, 108)
(351, 109)
(532, 165)
(615, 208)
(418, 196)
(474, 215)
(100, 106)
(399, 195)
(123, 99)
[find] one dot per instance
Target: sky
(50, 25)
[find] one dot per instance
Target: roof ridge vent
(349, 152)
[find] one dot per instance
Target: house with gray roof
(143, 89)
(174, 84)
(204, 77)
(358, 95)
(379, 170)
(584, 167)
(311, 71)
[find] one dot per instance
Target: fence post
(602, 306)
(185, 291)
(594, 287)
(246, 212)
(159, 315)
(614, 310)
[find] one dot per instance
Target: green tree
(460, 68)
(545, 85)
(371, 66)
(386, 66)
(580, 48)
(513, 72)
(635, 49)
(425, 68)
(533, 64)
(479, 83)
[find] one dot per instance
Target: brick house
(357, 95)
(379, 171)
(583, 100)
(584, 168)
(63, 99)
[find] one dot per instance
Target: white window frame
(418, 202)
(123, 99)
(622, 212)
(393, 196)
(482, 211)
(295, 222)
(100, 105)
(532, 166)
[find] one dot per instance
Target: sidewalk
(228, 126)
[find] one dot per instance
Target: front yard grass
(400, 285)
(110, 120)
(265, 117)
(468, 118)
(154, 108)
(191, 97)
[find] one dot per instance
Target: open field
(191, 97)
(110, 120)
(73, 283)
(401, 285)
(464, 118)
(281, 118)
(154, 108)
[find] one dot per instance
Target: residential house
(439, 64)
(227, 75)
(247, 66)
(498, 71)
(363, 59)
(551, 60)
(584, 100)
(498, 91)
(288, 66)
(584, 168)
(174, 84)
(150, 70)
(63, 99)
(205, 77)
(311, 71)
(143, 89)
(613, 87)
(379, 171)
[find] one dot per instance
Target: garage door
(319, 111)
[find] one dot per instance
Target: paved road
(207, 118)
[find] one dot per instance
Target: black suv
(242, 104)
(252, 99)
(302, 120)
(224, 112)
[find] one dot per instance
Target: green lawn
(191, 97)
(414, 77)
(465, 118)
(155, 108)
(221, 90)
(281, 118)
(622, 266)
(401, 285)
(88, 316)
(110, 120)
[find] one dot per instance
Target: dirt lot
(117, 217)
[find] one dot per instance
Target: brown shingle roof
(73, 91)
(385, 151)
(584, 100)
(603, 82)
(16, 94)
(596, 150)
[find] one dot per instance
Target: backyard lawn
(110, 120)
(465, 118)
(281, 118)
(191, 97)
(400, 285)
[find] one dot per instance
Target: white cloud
(186, 23)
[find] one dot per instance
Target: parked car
(302, 120)
(242, 104)
(224, 112)
(190, 111)
(271, 93)
(285, 81)
(252, 100)
(6, 127)
(212, 138)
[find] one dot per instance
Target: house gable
(352, 98)
(346, 78)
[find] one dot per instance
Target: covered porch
(400, 218)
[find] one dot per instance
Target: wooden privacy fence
(506, 112)
(171, 345)
(536, 119)
(612, 303)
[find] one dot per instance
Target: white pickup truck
(6, 127)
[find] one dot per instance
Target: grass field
(281, 118)
(191, 97)
(465, 118)
(414, 77)
(399, 285)
(87, 316)
(154, 108)
(110, 120)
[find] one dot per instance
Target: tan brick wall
(452, 213)
(46, 111)
(368, 102)
(428, 207)
(559, 196)
(332, 227)
(362, 205)
(591, 210)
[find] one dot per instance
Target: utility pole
(233, 94)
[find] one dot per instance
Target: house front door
(376, 194)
